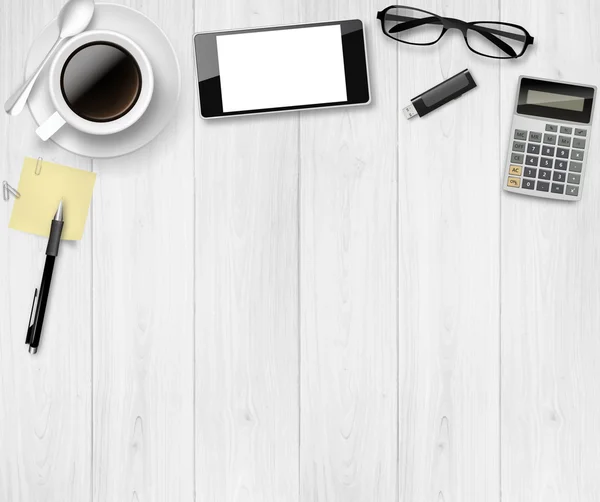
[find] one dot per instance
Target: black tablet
(275, 69)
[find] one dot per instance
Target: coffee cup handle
(50, 126)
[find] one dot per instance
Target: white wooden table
(326, 306)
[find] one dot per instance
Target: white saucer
(167, 83)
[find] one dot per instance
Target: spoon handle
(15, 104)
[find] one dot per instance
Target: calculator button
(558, 188)
(519, 134)
(517, 158)
(564, 141)
(547, 163)
(514, 182)
(559, 176)
(550, 139)
(572, 190)
(533, 149)
(579, 143)
(542, 186)
(518, 147)
(575, 167)
(532, 161)
(566, 130)
(574, 178)
(515, 170)
(535, 137)
(548, 150)
(528, 184)
(551, 128)
(544, 175)
(581, 132)
(562, 153)
(577, 154)
(530, 172)
(560, 164)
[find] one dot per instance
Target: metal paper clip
(38, 166)
(7, 190)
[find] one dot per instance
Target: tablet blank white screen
(272, 69)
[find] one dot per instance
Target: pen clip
(31, 323)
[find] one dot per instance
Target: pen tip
(59, 212)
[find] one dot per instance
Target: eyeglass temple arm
(501, 44)
(434, 20)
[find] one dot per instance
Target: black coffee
(101, 81)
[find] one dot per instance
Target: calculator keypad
(575, 167)
(521, 135)
(517, 158)
(519, 147)
(543, 186)
(564, 141)
(548, 159)
(528, 184)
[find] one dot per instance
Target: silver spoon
(73, 18)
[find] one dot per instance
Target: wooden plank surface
(551, 288)
(246, 290)
(143, 266)
(348, 283)
(347, 308)
(45, 400)
(449, 274)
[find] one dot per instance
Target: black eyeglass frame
(449, 23)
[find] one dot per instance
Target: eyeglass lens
(412, 26)
(496, 40)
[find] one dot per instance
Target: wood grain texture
(551, 288)
(143, 340)
(348, 307)
(45, 400)
(348, 228)
(449, 274)
(246, 290)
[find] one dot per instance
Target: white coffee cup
(65, 115)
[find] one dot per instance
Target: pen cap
(54, 240)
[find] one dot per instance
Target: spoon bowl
(75, 17)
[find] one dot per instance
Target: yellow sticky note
(41, 193)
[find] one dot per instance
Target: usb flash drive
(440, 95)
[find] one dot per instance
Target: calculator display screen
(555, 100)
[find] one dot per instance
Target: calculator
(549, 139)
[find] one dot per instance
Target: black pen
(38, 309)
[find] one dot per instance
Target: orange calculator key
(516, 170)
(514, 182)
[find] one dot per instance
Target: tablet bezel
(355, 68)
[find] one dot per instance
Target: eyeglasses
(486, 38)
